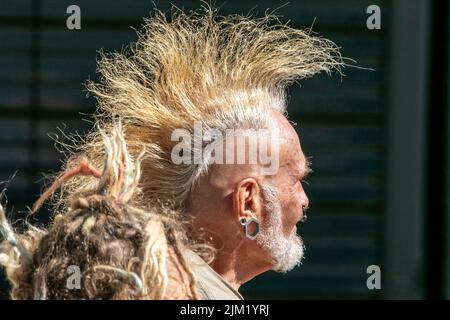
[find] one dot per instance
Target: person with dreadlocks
(126, 252)
(155, 228)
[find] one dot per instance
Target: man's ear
(246, 199)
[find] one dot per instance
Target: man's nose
(305, 200)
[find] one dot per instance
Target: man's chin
(288, 253)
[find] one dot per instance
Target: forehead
(291, 153)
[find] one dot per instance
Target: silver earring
(245, 223)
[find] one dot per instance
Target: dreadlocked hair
(120, 251)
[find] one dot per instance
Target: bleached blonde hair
(222, 71)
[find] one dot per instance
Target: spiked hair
(223, 71)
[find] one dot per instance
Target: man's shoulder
(210, 285)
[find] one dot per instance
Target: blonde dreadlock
(121, 250)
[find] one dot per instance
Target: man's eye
(301, 180)
(293, 180)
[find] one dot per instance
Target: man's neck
(234, 260)
(237, 267)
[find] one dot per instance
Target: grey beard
(287, 252)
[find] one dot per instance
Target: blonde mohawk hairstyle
(223, 71)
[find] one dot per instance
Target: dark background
(379, 139)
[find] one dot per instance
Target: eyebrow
(307, 170)
(302, 173)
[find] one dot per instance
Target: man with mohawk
(191, 229)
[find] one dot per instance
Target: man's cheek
(291, 215)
